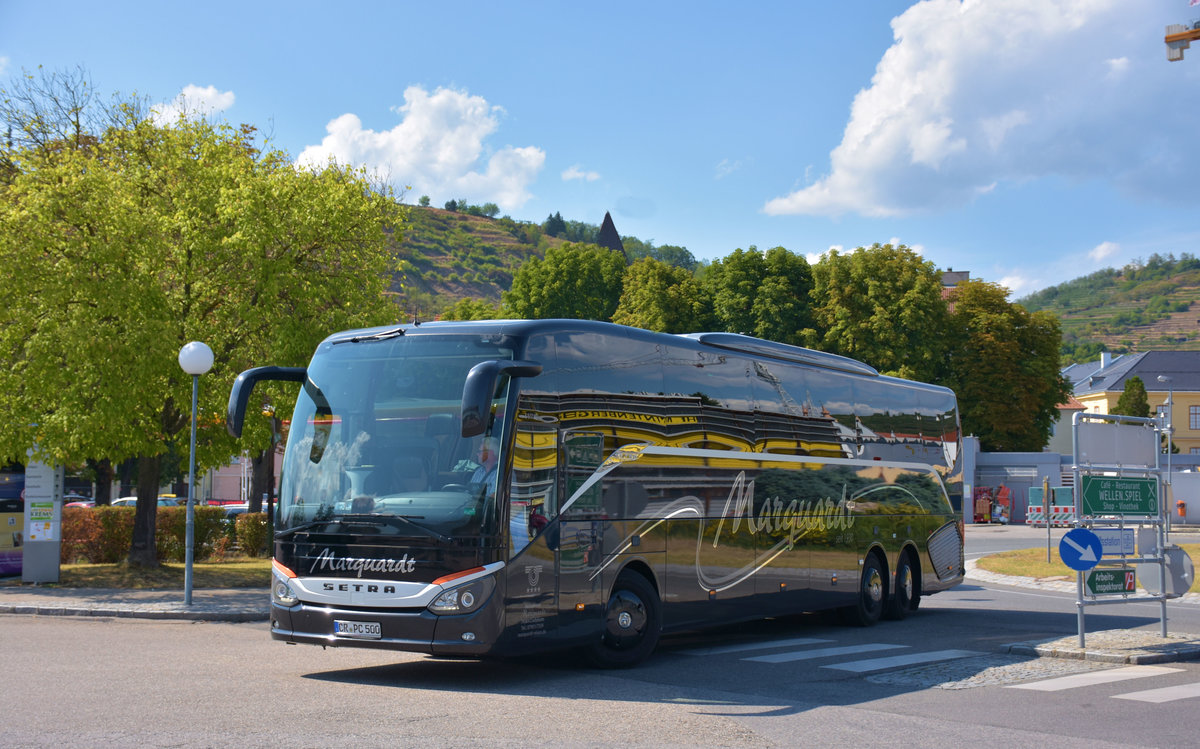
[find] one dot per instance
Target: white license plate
(366, 630)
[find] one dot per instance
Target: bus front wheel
(632, 620)
(871, 593)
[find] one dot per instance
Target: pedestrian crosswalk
(798, 649)
(1114, 675)
(883, 657)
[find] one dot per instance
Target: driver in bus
(488, 457)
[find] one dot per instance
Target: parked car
(163, 501)
(233, 510)
(77, 500)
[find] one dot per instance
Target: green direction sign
(1105, 495)
(1114, 580)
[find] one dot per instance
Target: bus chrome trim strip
(354, 591)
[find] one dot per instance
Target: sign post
(43, 522)
(1118, 480)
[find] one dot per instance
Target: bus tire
(632, 621)
(904, 598)
(872, 593)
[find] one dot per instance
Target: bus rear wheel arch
(906, 591)
(631, 623)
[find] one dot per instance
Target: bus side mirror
(239, 395)
(481, 384)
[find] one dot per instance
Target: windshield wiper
(303, 527)
(396, 521)
(382, 335)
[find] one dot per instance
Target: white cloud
(192, 100)
(982, 93)
(438, 148)
(816, 257)
(1019, 285)
(576, 172)
(1103, 251)
(3, 65)
(727, 167)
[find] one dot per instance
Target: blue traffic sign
(1080, 549)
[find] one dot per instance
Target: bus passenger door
(531, 611)
(581, 534)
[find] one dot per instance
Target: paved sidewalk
(223, 604)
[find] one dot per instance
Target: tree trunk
(104, 480)
(142, 552)
(261, 465)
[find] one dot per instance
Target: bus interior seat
(440, 428)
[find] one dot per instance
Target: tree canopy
(662, 297)
(1003, 365)
(116, 253)
(1133, 400)
(573, 280)
(766, 295)
(882, 305)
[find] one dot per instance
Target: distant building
(1099, 385)
(952, 278)
(1061, 439)
(609, 238)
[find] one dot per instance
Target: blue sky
(1027, 141)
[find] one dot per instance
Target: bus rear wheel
(907, 595)
(872, 593)
(632, 620)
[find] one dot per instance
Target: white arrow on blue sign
(1080, 549)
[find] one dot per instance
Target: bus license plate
(366, 630)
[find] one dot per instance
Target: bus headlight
(465, 598)
(282, 594)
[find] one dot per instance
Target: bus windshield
(375, 442)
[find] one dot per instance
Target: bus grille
(945, 551)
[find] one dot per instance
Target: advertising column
(43, 523)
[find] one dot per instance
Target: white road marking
(763, 645)
(803, 655)
(1095, 677)
(1165, 694)
(908, 659)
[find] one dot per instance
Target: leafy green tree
(882, 305)
(661, 297)
(762, 294)
(423, 201)
(115, 255)
(675, 255)
(471, 309)
(1003, 365)
(1133, 400)
(554, 225)
(580, 281)
(451, 205)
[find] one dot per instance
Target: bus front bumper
(413, 630)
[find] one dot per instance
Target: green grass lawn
(1032, 563)
(241, 572)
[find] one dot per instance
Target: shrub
(252, 532)
(209, 528)
(102, 535)
(170, 534)
(80, 534)
(116, 534)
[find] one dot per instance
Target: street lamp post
(195, 358)
(1170, 428)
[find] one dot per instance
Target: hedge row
(102, 535)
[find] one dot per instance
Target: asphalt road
(939, 677)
